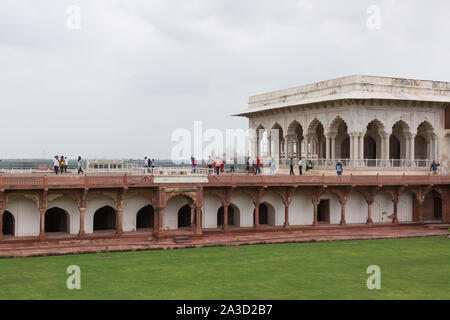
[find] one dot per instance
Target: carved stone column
(42, 224)
(256, 224)
(327, 148)
(81, 232)
(192, 226)
(316, 201)
(1, 223)
(155, 220)
(225, 217)
(343, 201)
(369, 213)
(395, 202)
(198, 224)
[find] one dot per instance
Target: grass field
(417, 268)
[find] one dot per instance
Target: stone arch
(398, 141)
(233, 215)
(184, 217)
(172, 210)
(266, 214)
(373, 141)
(24, 209)
(57, 220)
(145, 217)
(423, 143)
(105, 218)
(316, 137)
(339, 131)
(281, 141)
(294, 136)
(432, 206)
(244, 202)
(9, 224)
(133, 204)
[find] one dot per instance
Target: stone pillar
(411, 150)
(155, 220)
(327, 148)
(225, 217)
(352, 148)
(1, 223)
(316, 201)
(256, 224)
(42, 224)
(119, 230)
(435, 148)
(369, 212)
(343, 201)
(333, 148)
(198, 220)
(395, 201)
(361, 146)
(286, 217)
(192, 226)
(81, 232)
(159, 211)
(420, 200)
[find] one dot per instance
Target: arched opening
(144, 217)
(394, 147)
(338, 130)
(432, 207)
(105, 219)
(398, 142)
(220, 217)
(8, 223)
(266, 214)
(423, 144)
(277, 142)
(370, 148)
(316, 140)
(184, 216)
(295, 138)
(56, 220)
(261, 141)
(373, 142)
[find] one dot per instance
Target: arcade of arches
(376, 142)
(350, 205)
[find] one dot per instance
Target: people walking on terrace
(146, 165)
(209, 163)
(434, 167)
(218, 163)
(66, 164)
(152, 165)
(61, 164)
(257, 164)
(291, 167)
(250, 165)
(194, 164)
(339, 168)
(300, 166)
(309, 166)
(272, 167)
(79, 166)
(56, 164)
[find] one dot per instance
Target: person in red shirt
(257, 170)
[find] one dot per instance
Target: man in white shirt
(56, 164)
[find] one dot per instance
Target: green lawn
(416, 268)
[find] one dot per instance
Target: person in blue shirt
(339, 168)
(434, 166)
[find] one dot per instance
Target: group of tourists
(253, 166)
(309, 166)
(60, 164)
(149, 165)
(218, 165)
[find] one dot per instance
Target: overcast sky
(137, 70)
